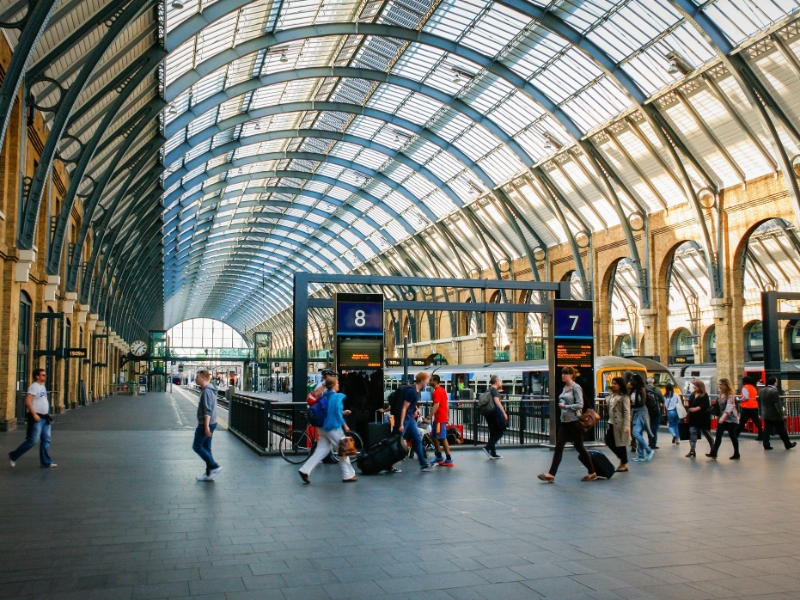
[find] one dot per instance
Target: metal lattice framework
(219, 147)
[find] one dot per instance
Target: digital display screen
(572, 345)
(359, 353)
(359, 314)
(574, 354)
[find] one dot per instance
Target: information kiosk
(571, 344)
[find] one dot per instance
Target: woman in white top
(671, 401)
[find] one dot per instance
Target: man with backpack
(404, 407)
(655, 407)
(490, 406)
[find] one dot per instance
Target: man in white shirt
(39, 422)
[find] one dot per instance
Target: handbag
(588, 420)
(347, 446)
(713, 410)
(680, 409)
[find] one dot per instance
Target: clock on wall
(138, 348)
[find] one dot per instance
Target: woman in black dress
(699, 417)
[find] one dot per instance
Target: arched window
(754, 341)
(683, 346)
(711, 345)
(23, 342)
(624, 345)
(501, 343)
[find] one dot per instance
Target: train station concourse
(378, 299)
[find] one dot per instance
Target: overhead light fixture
(177, 4)
(172, 110)
(284, 57)
(461, 74)
(678, 64)
(551, 142)
(547, 144)
(257, 126)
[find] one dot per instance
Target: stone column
(730, 359)
(9, 332)
(650, 320)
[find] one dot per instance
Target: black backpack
(396, 401)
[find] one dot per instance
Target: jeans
(202, 446)
(672, 423)
(655, 423)
(497, 426)
(37, 430)
(640, 424)
(412, 434)
(780, 429)
(747, 415)
(620, 451)
(569, 432)
(326, 441)
(733, 433)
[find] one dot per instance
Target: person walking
(671, 400)
(655, 408)
(40, 423)
(497, 421)
(699, 417)
(570, 401)
(728, 419)
(641, 419)
(618, 435)
(773, 412)
(749, 408)
(440, 412)
(330, 434)
(408, 420)
(206, 424)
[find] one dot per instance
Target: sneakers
(637, 459)
(50, 466)
(426, 467)
(215, 472)
(204, 477)
(488, 452)
(495, 456)
(447, 463)
(11, 462)
(304, 477)
(792, 445)
(438, 461)
(394, 470)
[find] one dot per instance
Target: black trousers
(569, 432)
(780, 428)
(750, 414)
(733, 432)
(620, 451)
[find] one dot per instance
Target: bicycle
(297, 451)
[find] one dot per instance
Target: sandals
(590, 477)
(546, 477)
(622, 469)
(349, 480)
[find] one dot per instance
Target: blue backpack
(318, 412)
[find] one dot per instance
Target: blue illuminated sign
(360, 315)
(575, 323)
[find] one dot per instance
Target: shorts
(440, 430)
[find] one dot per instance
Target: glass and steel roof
(399, 136)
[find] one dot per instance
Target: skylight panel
(398, 172)
(501, 164)
(419, 109)
(451, 124)
(485, 93)
(339, 193)
(397, 201)
(740, 19)
(336, 172)
(445, 166)
(216, 37)
(494, 30)
(420, 150)
(597, 105)
(419, 186)
(388, 98)
(440, 203)
(516, 112)
(476, 142)
(345, 150)
(417, 61)
(209, 85)
(453, 17)
(241, 70)
(366, 127)
(371, 158)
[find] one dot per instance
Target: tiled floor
(123, 518)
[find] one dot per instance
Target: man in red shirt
(440, 412)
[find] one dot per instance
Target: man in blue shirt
(408, 421)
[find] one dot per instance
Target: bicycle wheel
(359, 447)
(297, 452)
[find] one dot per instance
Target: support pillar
(25, 260)
(730, 350)
(650, 320)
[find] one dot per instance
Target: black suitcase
(383, 455)
(602, 466)
(377, 431)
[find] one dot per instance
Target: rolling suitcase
(377, 431)
(602, 466)
(383, 455)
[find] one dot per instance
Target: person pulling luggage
(408, 421)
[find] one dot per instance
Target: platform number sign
(571, 344)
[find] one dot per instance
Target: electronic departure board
(358, 322)
(359, 353)
(571, 344)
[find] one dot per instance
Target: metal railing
(262, 423)
(120, 389)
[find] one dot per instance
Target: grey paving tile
(160, 590)
(308, 592)
(214, 586)
(354, 589)
(507, 591)
(557, 586)
(171, 575)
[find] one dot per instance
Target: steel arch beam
(304, 175)
(313, 156)
(59, 124)
(38, 16)
(251, 46)
(87, 154)
(342, 107)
